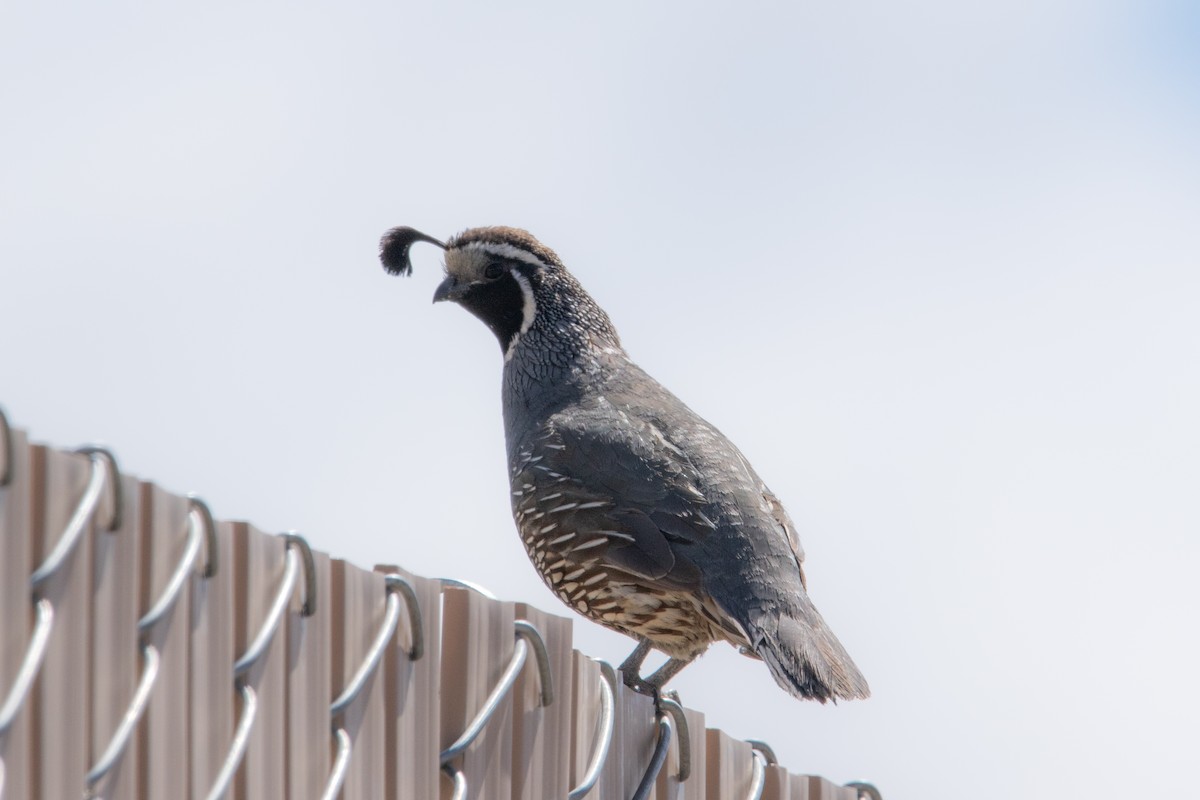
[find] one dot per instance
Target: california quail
(636, 512)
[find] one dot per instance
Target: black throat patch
(501, 306)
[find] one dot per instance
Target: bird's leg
(631, 668)
(667, 671)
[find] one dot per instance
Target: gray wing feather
(645, 494)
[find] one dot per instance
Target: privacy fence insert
(150, 651)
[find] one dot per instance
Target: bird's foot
(639, 684)
(655, 692)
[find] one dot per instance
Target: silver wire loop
(524, 632)
(391, 616)
(150, 655)
(608, 683)
(310, 572)
(762, 756)
(30, 664)
(866, 791)
(657, 759)
(767, 751)
(118, 498)
(275, 613)
(211, 560)
(670, 704)
(670, 719)
(396, 586)
(104, 469)
(532, 635)
(416, 626)
(461, 584)
(170, 593)
(6, 472)
(255, 651)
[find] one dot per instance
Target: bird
(636, 512)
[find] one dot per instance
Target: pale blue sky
(933, 266)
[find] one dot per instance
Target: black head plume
(393, 248)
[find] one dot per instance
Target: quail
(636, 512)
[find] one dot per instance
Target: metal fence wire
(149, 651)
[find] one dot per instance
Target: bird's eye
(493, 271)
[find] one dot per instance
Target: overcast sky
(935, 268)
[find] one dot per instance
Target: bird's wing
(779, 513)
(631, 499)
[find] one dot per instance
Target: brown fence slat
(165, 725)
(359, 604)
(414, 725)
(310, 653)
(212, 654)
(778, 784)
(585, 718)
(16, 564)
(821, 789)
(60, 701)
(116, 661)
(730, 765)
(541, 737)
(262, 773)
(634, 737)
(477, 644)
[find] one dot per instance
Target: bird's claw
(639, 684)
(649, 689)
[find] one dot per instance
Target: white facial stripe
(530, 307)
(528, 311)
(506, 251)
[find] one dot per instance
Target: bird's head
(508, 279)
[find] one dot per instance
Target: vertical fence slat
(730, 765)
(16, 564)
(165, 725)
(585, 718)
(541, 737)
(797, 786)
(821, 789)
(360, 603)
(262, 774)
(477, 644)
(116, 660)
(310, 652)
(634, 737)
(777, 785)
(212, 654)
(414, 725)
(60, 700)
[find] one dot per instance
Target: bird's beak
(449, 289)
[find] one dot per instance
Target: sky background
(933, 266)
